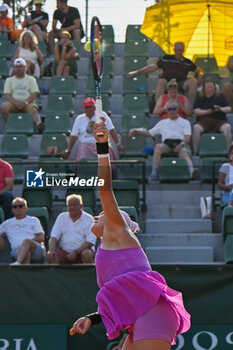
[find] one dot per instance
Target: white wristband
(106, 155)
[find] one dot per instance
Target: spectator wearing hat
(37, 21)
(83, 132)
(65, 56)
(30, 52)
(20, 92)
(69, 18)
(172, 94)
(6, 23)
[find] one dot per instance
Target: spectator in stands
(225, 179)
(6, 186)
(37, 21)
(211, 108)
(25, 234)
(6, 23)
(172, 94)
(176, 135)
(83, 131)
(30, 52)
(72, 230)
(65, 56)
(20, 92)
(69, 18)
(174, 67)
(228, 86)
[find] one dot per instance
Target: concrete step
(213, 240)
(178, 255)
(175, 211)
(178, 225)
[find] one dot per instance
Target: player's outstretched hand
(81, 326)
(101, 128)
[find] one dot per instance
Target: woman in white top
(30, 52)
(225, 180)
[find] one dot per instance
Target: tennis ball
(87, 46)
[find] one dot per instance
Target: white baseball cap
(19, 61)
(4, 7)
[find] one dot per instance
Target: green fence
(38, 305)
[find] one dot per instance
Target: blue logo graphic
(35, 178)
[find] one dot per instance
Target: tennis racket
(97, 61)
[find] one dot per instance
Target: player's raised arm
(113, 218)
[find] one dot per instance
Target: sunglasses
(18, 206)
(171, 108)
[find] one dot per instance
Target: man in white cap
(6, 23)
(83, 132)
(20, 91)
(37, 21)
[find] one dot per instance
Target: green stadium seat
(136, 48)
(133, 169)
(63, 85)
(134, 145)
(109, 49)
(133, 120)
(213, 145)
(135, 85)
(86, 169)
(38, 197)
(173, 170)
(60, 104)
(134, 63)
(2, 216)
(3, 68)
(56, 165)
(108, 32)
(206, 172)
(106, 85)
(1, 86)
(87, 193)
(133, 33)
(20, 123)
(52, 140)
(42, 214)
(14, 146)
(19, 170)
(43, 48)
(228, 249)
(207, 64)
(126, 193)
(5, 50)
(131, 211)
(135, 103)
(107, 69)
(57, 123)
(77, 45)
(227, 222)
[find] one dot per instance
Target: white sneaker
(15, 263)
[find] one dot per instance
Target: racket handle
(98, 111)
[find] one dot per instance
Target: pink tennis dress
(129, 288)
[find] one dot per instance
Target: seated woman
(65, 56)
(172, 94)
(30, 52)
(225, 180)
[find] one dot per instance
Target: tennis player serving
(131, 295)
